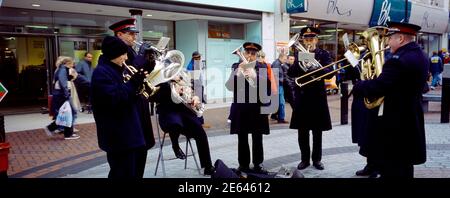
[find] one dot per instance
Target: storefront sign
(390, 10)
(344, 11)
(3, 91)
(432, 19)
(296, 6)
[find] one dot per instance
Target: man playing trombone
(311, 108)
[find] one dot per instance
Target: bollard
(445, 99)
(344, 103)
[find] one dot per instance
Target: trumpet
(305, 65)
(246, 65)
(146, 86)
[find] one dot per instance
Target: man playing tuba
(399, 139)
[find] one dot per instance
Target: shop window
(226, 31)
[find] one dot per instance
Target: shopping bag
(64, 117)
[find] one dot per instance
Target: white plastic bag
(64, 117)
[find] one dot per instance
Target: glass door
(24, 62)
(73, 47)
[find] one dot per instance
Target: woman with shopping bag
(62, 101)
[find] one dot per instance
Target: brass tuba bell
(371, 67)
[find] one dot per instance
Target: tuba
(186, 95)
(371, 67)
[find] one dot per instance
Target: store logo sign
(296, 6)
(389, 10)
(3, 91)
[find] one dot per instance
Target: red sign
(3, 91)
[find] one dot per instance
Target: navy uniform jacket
(402, 134)
(143, 103)
(173, 115)
(246, 116)
(115, 109)
(311, 106)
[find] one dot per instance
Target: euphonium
(165, 70)
(182, 92)
(372, 68)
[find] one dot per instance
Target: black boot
(179, 153)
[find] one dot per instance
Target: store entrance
(24, 63)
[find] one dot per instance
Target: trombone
(354, 49)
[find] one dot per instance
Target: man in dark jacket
(176, 119)
(311, 106)
(400, 138)
(116, 113)
(126, 31)
(246, 115)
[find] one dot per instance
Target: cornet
(246, 65)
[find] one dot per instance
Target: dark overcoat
(401, 134)
(115, 109)
(311, 107)
(246, 114)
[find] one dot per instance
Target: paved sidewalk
(281, 149)
(33, 154)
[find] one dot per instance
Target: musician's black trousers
(244, 149)
(303, 142)
(396, 169)
(127, 164)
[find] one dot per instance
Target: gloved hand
(137, 79)
(144, 47)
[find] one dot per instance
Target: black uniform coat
(402, 134)
(143, 103)
(311, 107)
(115, 109)
(246, 116)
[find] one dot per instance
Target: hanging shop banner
(390, 10)
(344, 11)
(296, 6)
(432, 19)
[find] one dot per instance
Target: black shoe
(260, 169)
(209, 170)
(274, 117)
(243, 169)
(318, 165)
(303, 165)
(364, 172)
(374, 174)
(179, 153)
